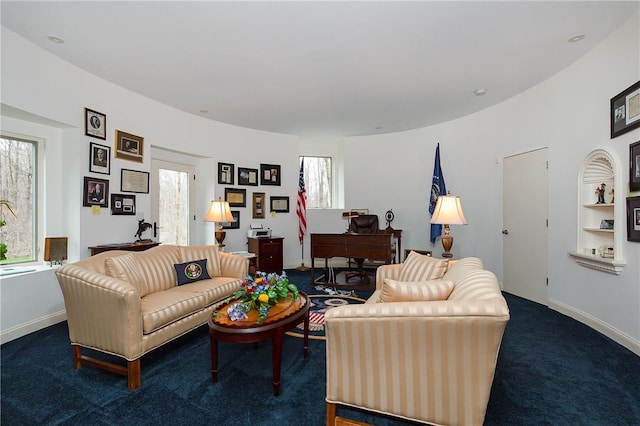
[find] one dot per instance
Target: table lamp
(448, 211)
(219, 212)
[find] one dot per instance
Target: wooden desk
(135, 246)
(397, 234)
(369, 246)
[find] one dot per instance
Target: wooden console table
(368, 246)
(135, 246)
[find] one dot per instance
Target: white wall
(567, 113)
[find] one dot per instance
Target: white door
(172, 202)
(525, 228)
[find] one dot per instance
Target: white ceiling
(320, 68)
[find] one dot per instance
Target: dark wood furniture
(136, 246)
(424, 252)
(397, 234)
(369, 246)
(268, 251)
(282, 317)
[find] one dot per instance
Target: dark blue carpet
(552, 370)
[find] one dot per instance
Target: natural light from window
(318, 182)
(17, 200)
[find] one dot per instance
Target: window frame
(332, 191)
(36, 184)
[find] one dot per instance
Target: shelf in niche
(606, 264)
(598, 205)
(597, 230)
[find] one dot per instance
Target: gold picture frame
(258, 205)
(129, 147)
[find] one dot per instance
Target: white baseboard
(611, 332)
(31, 326)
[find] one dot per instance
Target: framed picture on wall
(280, 204)
(625, 110)
(270, 174)
(633, 219)
(123, 204)
(134, 181)
(95, 192)
(99, 159)
(129, 147)
(634, 167)
(225, 173)
(233, 225)
(236, 197)
(95, 124)
(247, 176)
(258, 205)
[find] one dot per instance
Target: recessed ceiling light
(576, 37)
(480, 92)
(55, 39)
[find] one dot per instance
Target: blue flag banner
(438, 188)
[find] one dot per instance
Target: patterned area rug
(321, 303)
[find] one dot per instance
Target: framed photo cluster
(127, 147)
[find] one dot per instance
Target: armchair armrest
(102, 312)
(427, 361)
(233, 266)
(387, 271)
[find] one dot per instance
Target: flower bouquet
(261, 293)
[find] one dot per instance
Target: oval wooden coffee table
(282, 317)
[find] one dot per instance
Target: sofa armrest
(102, 312)
(428, 361)
(387, 271)
(233, 265)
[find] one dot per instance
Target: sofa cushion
(414, 291)
(124, 268)
(164, 307)
(155, 267)
(418, 267)
(210, 252)
(192, 271)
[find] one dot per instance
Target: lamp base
(447, 242)
(220, 235)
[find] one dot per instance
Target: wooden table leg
(306, 334)
(214, 355)
(277, 359)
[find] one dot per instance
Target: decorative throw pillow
(209, 252)
(418, 267)
(190, 272)
(123, 268)
(415, 291)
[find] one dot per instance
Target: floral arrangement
(260, 293)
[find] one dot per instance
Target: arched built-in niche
(600, 216)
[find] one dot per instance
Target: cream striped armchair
(127, 304)
(426, 361)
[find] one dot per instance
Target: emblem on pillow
(193, 271)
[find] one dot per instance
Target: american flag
(301, 205)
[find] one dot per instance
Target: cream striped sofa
(127, 303)
(431, 362)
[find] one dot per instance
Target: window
(18, 200)
(318, 182)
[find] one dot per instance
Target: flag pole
(301, 212)
(302, 267)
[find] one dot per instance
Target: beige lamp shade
(219, 212)
(448, 211)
